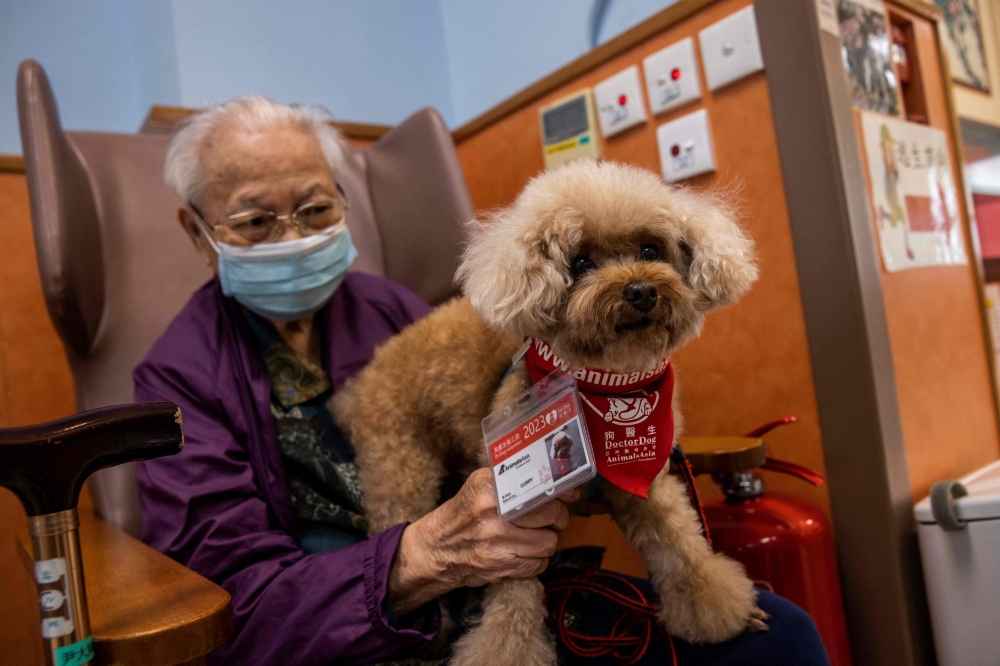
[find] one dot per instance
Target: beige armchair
(116, 267)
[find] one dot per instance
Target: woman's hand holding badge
(462, 543)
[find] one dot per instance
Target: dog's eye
(580, 265)
(649, 252)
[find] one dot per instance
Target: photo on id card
(538, 446)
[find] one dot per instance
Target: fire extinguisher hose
(784, 466)
(792, 469)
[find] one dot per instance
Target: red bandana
(629, 416)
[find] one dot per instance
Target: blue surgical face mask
(290, 279)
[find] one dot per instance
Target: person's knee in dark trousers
(792, 640)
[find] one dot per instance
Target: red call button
(675, 150)
(622, 100)
(675, 74)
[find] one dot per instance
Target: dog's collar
(628, 416)
(539, 354)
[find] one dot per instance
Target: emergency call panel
(686, 147)
(672, 76)
(730, 49)
(619, 102)
(569, 129)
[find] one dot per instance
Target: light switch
(672, 76)
(730, 49)
(686, 147)
(619, 101)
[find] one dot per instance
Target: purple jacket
(221, 506)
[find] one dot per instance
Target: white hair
(184, 171)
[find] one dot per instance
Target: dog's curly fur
(555, 265)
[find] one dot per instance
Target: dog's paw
(487, 645)
(758, 621)
(714, 603)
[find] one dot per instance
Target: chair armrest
(145, 608)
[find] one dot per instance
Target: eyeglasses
(263, 226)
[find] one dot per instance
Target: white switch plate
(619, 101)
(672, 76)
(686, 147)
(730, 49)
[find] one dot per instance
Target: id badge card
(538, 445)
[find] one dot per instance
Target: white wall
(158, 81)
(623, 14)
(496, 48)
(89, 50)
(370, 61)
(366, 60)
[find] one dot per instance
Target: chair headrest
(421, 203)
(63, 212)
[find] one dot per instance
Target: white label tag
(826, 13)
(50, 571)
(57, 618)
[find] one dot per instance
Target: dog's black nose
(642, 295)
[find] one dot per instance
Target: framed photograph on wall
(966, 52)
(864, 43)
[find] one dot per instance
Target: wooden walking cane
(45, 465)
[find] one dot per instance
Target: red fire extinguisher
(784, 542)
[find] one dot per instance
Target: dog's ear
(511, 271)
(722, 265)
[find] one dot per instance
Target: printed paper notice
(912, 193)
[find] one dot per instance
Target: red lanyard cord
(683, 466)
(636, 627)
(632, 633)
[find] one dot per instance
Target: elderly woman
(264, 498)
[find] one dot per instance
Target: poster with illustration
(992, 293)
(966, 54)
(913, 195)
(865, 46)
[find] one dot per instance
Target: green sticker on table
(75, 654)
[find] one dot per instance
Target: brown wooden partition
(939, 349)
(898, 409)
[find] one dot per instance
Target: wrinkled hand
(462, 543)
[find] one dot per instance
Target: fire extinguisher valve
(740, 486)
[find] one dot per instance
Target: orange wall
(752, 362)
(939, 352)
(35, 386)
(35, 380)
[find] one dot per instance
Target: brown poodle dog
(557, 266)
(561, 446)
